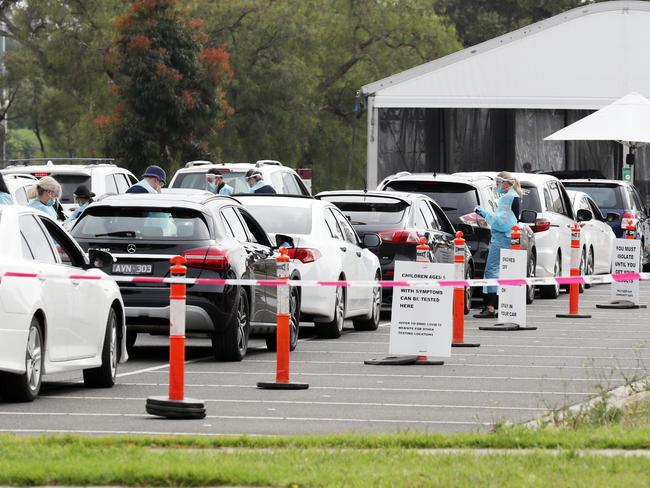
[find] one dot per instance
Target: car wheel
(232, 343)
(334, 329)
(104, 376)
(468, 292)
(294, 324)
(553, 291)
(131, 338)
(530, 273)
(25, 387)
(590, 265)
(372, 322)
(583, 268)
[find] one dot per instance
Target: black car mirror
(584, 215)
(466, 229)
(282, 240)
(99, 259)
(613, 217)
(528, 217)
(371, 240)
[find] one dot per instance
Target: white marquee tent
(582, 59)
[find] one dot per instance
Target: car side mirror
(282, 240)
(371, 240)
(99, 259)
(466, 229)
(584, 215)
(528, 217)
(613, 217)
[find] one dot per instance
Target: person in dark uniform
(152, 181)
(256, 183)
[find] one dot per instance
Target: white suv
(101, 176)
(283, 179)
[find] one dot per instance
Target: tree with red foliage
(169, 87)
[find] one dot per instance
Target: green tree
(169, 86)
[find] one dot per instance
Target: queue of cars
(334, 236)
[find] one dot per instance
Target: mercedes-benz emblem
(130, 248)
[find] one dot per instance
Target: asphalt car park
(513, 376)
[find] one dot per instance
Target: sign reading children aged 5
(626, 259)
(422, 318)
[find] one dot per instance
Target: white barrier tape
(415, 283)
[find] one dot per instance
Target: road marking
(478, 354)
(156, 368)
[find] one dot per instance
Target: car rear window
(197, 180)
(285, 220)
(141, 223)
(530, 198)
(605, 195)
(370, 210)
(456, 199)
(69, 183)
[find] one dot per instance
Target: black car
(400, 219)
(219, 239)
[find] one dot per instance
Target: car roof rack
(267, 162)
(51, 161)
(191, 164)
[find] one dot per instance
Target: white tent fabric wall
(529, 147)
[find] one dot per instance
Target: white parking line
(156, 368)
(479, 354)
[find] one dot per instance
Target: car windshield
(605, 195)
(141, 223)
(363, 210)
(69, 183)
(530, 198)
(280, 219)
(198, 181)
(456, 199)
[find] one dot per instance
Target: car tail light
(304, 254)
(212, 258)
(541, 225)
(40, 175)
(400, 236)
(628, 217)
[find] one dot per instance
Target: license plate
(132, 269)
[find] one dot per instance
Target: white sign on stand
(422, 318)
(626, 259)
(512, 299)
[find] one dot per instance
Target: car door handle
(359, 253)
(75, 282)
(344, 249)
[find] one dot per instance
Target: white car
(55, 314)
(596, 236)
(18, 185)
(101, 176)
(326, 248)
(283, 179)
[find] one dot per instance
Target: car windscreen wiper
(118, 233)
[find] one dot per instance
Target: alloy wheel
(33, 361)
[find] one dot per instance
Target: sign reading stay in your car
(421, 322)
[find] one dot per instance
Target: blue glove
(479, 210)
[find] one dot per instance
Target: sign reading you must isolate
(422, 318)
(626, 259)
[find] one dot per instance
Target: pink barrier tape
(564, 280)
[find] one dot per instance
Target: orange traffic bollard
(574, 288)
(458, 337)
(515, 238)
(176, 406)
(630, 230)
(283, 330)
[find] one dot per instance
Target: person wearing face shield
(44, 195)
(216, 184)
(501, 222)
(82, 197)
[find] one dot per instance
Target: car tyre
(584, 270)
(104, 376)
(25, 387)
(590, 265)
(530, 289)
(232, 343)
(468, 292)
(294, 324)
(131, 338)
(334, 329)
(553, 291)
(371, 322)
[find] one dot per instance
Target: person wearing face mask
(44, 195)
(256, 182)
(216, 184)
(501, 222)
(152, 181)
(82, 197)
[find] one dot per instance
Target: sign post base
(506, 326)
(402, 361)
(281, 386)
(620, 304)
(573, 315)
(465, 344)
(175, 409)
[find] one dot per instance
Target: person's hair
(215, 172)
(3, 185)
(512, 180)
(47, 183)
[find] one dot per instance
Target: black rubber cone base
(401, 361)
(282, 386)
(572, 316)
(465, 344)
(620, 304)
(506, 326)
(175, 409)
